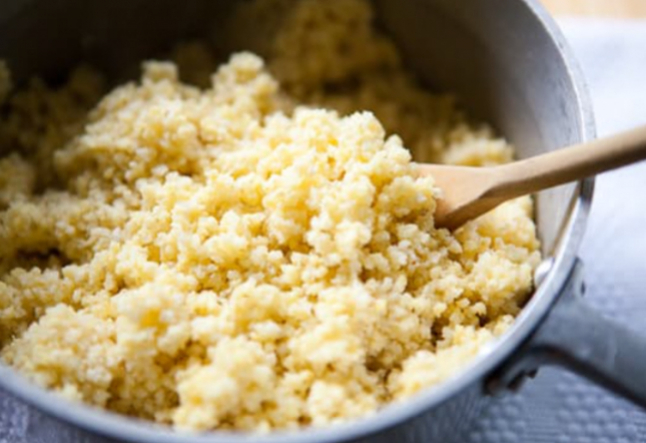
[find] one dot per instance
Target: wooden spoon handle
(569, 164)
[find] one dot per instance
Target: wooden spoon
(469, 192)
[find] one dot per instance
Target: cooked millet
(238, 257)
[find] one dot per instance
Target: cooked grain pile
(242, 255)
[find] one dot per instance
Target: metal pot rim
(113, 425)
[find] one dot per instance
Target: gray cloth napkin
(558, 406)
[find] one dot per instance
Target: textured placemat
(557, 406)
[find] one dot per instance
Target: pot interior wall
(493, 54)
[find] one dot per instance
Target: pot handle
(577, 337)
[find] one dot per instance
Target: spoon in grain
(469, 192)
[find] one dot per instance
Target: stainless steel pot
(509, 63)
